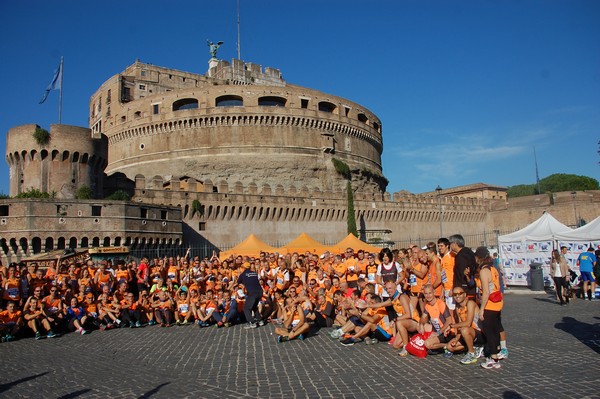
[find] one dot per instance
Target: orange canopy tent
(352, 242)
(251, 246)
(304, 243)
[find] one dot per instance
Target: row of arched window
(55, 155)
(38, 245)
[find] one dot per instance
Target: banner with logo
(516, 257)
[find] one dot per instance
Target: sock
(502, 344)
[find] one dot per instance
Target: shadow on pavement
(588, 334)
(9, 385)
(547, 300)
(153, 391)
(511, 395)
(74, 394)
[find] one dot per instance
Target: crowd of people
(445, 293)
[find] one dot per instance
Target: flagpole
(60, 95)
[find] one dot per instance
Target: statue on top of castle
(213, 47)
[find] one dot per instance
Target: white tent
(590, 232)
(578, 240)
(532, 244)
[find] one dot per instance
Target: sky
(465, 89)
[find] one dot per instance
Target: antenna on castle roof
(239, 50)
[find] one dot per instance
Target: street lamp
(574, 196)
(438, 190)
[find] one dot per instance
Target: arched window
(185, 103)
(272, 101)
(229, 101)
(327, 107)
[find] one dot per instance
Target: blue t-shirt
(586, 261)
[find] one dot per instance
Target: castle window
(108, 97)
(303, 103)
(142, 87)
(363, 118)
(201, 226)
(272, 101)
(229, 101)
(185, 103)
(376, 126)
(347, 111)
(138, 114)
(96, 210)
(144, 213)
(4, 210)
(163, 215)
(327, 107)
(143, 72)
(155, 109)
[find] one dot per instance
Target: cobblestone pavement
(554, 353)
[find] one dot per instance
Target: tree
(84, 192)
(555, 183)
(41, 136)
(351, 216)
(119, 195)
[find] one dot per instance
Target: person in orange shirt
(11, 286)
(204, 311)
(103, 277)
(361, 263)
(36, 320)
(376, 324)
(447, 261)
(435, 271)
(163, 308)
(295, 324)
(52, 307)
(436, 317)
(183, 313)
(338, 268)
(417, 277)
(11, 321)
(352, 268)
(130, 314)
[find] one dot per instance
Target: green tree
(119, 195)
(4, 196)
(33, 193)
(84, 192)
(554, 184)
(41, 136)
(351, 216)
(564, 182)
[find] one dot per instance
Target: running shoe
(228, 324)
(491, 364)
(335, 334)
(38, 335)
(52, 334)
(348, 341)
(403, 352)
(250, 325)
(301, 337)
(503, 354)
(447, 354)
(281, 338)
(478, 352)
(261, 323)
(371, 341)
(469, 358)
(151, 323)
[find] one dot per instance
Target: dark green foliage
(34, 193)
(342, 168)
(351, 217)
(84, 192)
(4, 196)
(555, 183)
(41, 136)
(197, 207)
(119, 195)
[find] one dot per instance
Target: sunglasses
(458, 293)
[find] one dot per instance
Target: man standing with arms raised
(464, 265)
(249, 279)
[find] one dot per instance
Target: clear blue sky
(464, 89)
